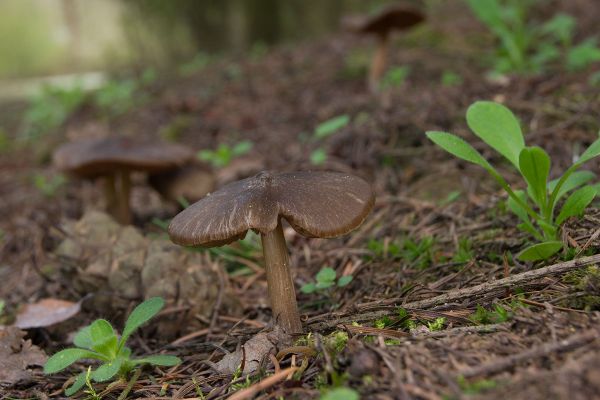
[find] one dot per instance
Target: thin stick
(266, 383)
(460, 294)
(501, 364)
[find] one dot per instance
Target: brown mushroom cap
(94, 157)
(316, 204)
(394, 16)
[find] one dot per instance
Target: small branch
(501, 364)
(266, 383)
(459, 294)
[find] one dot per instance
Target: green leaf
(331, 126)
(83, 338)
(326, 274)
(107, 371)
(64, 358)
(540, 251)
(104, 339)
(497, 126)
(78, 384)
(576, 203)
(575, 180)
(582, 55)
(159, 359)
(516, 208)
(341, 393)
(324, 284)
(318, 156)
(534, 165)
(242, 147)
(308, 288)
(590, 152)
(344, 280)
(140, 315)
(458, 147)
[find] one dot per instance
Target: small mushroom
(114, 158)
(192, 182)
(316, 204)
(381, 24)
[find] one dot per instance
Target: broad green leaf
(344, 280)
(326, 274)
(64, 358)
(324, 284)
(540, 251)
(497, 126)
(548, 229)
(458, 147)
(590, 152)
(83, 338)
(78, 384)
(576, 203)
(575, 180)
(534, 165)
(159, 359)
(308, 288)
(140, 315)
(107, 371)
(331, 126)
(104, 339)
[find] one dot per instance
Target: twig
(266, 383)
(459, 294)
(569, 343)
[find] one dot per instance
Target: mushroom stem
(110, 194)
(379, 62)
(279, 279)
(124, 212)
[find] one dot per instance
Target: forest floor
(438, 307)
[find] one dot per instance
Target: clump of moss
(585, 287)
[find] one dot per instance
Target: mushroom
(114, 158)
(315, 204)
(192, 182)
(381, 24)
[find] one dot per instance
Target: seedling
(341, 393)
(224, 154)
(395, 77)
(529, 48)
(536, 207)
(496, 315)
(324, 130)
(99, 341)
(49, 187)
(326, 279)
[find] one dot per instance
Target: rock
(119, 265)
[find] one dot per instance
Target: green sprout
(341, 393)
(99, 341)
(536, 207)
(224, 154)
(324, 130)
(325, 279)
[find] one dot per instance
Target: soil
(547, 347)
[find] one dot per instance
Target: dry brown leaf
(46, 312)
(16, 355)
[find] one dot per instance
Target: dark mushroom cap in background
(316, 204)
(191, 182)
(94, 157)
(394, 16)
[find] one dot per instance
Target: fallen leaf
(16, 355)
(46, 312)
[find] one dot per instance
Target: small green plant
(536, 207)
(464, 253)
(99, 341)
(341, 393)
(196, 64)
(224, 153)
(395, 77)
(451, 78)
(324, 130)
(437, 324)
(49, 187)
(418, 252)
(527, 47)
(117, 97)
(49, 109)
(326, 279)
(496, 315)
(475, 387)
